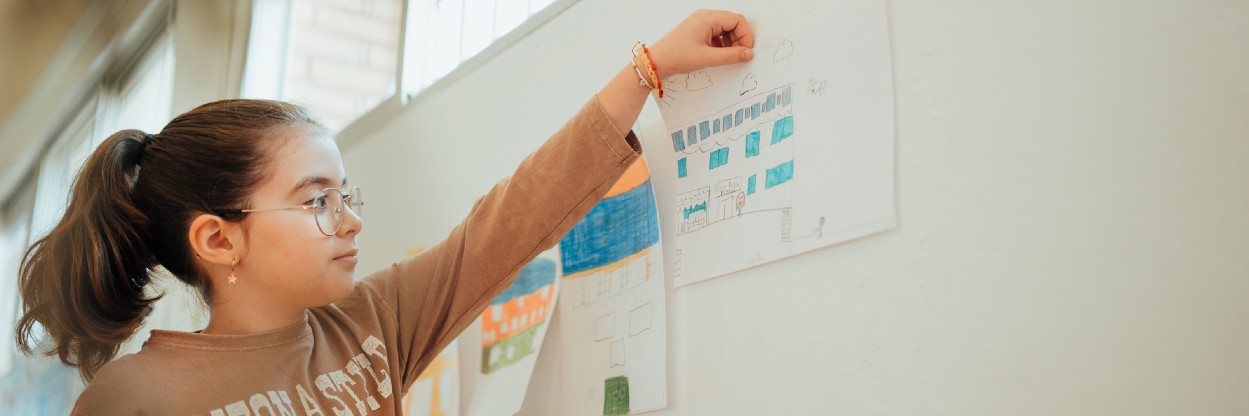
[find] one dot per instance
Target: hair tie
(147, 139)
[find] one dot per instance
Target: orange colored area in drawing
(516, 316)
(446, 361)
(636, 175)
(612, 267)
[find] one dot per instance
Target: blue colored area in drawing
(752, 144)
(782, 128)
(678, 142)
(771, 101)
(716, 128)
(688, 211)
(691, 136)
(785, 96)
(681, 168)
(737, 119)
(537, 274)
(704, 130)
(754, 111)
(750, 185)
(728, 122)
(719, 157)
(780, 174)
(616, 228)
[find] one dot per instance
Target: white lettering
(259, 401)
(237, 409)
(306, 400)
(341, 380)
(354, 369)
(324, 384)
(374, 346)
(282, 402)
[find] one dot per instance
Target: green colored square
(616, 396)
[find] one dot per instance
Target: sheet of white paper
(612, 313)
(782, 155)
(508, 338)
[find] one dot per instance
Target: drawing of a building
(509, 326)
(713, 152)
(608, 262)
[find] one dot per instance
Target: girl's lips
(349, 257)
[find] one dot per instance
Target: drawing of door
(726, 207)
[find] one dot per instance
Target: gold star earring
(232, 264)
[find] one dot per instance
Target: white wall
(1071, 191)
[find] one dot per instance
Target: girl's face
(287, 256)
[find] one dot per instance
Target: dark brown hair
(129, 210)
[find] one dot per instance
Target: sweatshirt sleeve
(436, 294)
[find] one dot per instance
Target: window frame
(391, 108)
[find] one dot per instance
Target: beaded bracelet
(640, 51)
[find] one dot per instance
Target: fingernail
(747, 54)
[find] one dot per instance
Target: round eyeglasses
(328, 207)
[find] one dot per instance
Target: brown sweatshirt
(359, 355)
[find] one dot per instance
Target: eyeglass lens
(330, 218)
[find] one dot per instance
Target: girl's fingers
(727, 56)
(735, 23)
(743, 39)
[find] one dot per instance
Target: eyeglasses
(328, 208)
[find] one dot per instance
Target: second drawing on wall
(612, 306)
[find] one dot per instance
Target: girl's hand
(693, 44)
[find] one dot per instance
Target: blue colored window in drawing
(754, 111)
(780, 174)
(691, 136)
(728, 122)
(716, 126)
(681, 168)
(616, 228)
(750, 185)
(678, 142)
(771, 101)
(737, 119)
(688, 211)
(782, 128)
(752, 144)
(704, 130)
(785, 96)
(719, 157)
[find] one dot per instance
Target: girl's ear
(215, 240)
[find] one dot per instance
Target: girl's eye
(318, 202)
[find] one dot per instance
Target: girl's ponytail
(84, 282)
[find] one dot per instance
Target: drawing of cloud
(695, 81)
(749, 84)
(784, 50)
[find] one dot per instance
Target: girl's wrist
(648, 71)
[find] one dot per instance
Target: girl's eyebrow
(314, 180)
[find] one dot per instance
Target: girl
(248, 202)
